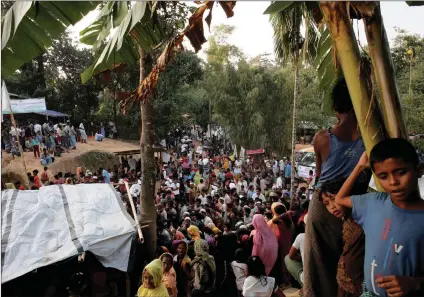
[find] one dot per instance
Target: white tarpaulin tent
(57, 222)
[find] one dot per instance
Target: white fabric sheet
(57, 222)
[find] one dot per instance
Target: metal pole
(19, 144)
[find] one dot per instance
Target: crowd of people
(46, 141)
(235, 227)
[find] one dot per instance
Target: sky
(253, 33)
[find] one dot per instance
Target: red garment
(228, 175)
(44, 176)
(37, 181)
(284, 236)
(21, 188)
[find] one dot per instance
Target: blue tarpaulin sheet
(52, 113)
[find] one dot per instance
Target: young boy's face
(329, 201)
(397, 177)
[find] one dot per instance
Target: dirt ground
(107, 145)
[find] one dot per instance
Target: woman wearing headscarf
(281, 226)
(179, 235)
(182, 267)
(194, 232)
(204, 269)
(83, 134)
(169, 277)
(152, 281)
(265, 243)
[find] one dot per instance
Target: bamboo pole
(340, 28)
(140, 234)
(384, 72)
(366, 110)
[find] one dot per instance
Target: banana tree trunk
(366, 110)
(379, 49)
(148, 172)
(293, 144)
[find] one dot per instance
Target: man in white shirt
(15, 131)
(259, 195)
(37, 128)
(294, 260)
(242, 182)
(206, 220)
(132, 163)
(279, 182)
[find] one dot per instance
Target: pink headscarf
(179, 235)
(265, 243)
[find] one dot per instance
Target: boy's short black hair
(340, 97)
(394, 148)
(331, 187)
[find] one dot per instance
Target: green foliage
(29, 28)
(170, 104)
(56, 76)
(409, 73)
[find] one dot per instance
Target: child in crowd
(44, 175)
(257, 283)
(392, 220)
(35, 146)
(152, 281)
(169, 277)
(239, 268)
(350, 271)
(182, 265)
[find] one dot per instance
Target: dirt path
(107, 145)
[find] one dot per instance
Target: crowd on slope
(46, 141)
(231, 227)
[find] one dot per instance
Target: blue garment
(35, 141)
(72, 141)
(99, 137)
(394, 238)
(46, 160)
(287, 171)
(341, 160)
(106, 175)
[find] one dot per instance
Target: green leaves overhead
(29, 28)
(278, 6)
(325, 67)
(111, 32)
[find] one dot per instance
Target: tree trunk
(379, 49)
(348, 55)
(293, 144)
(40, 70)
(148, 173)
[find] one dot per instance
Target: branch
(194, 32)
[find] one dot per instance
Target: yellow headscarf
(194, 232)
(215, 230)
(155, 270)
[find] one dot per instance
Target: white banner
(26, 105)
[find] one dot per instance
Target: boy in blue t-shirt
(393, 221)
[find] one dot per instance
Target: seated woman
(99, 137)
(169, 277)
(152, 281)
(45, 158)
(203, 269)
